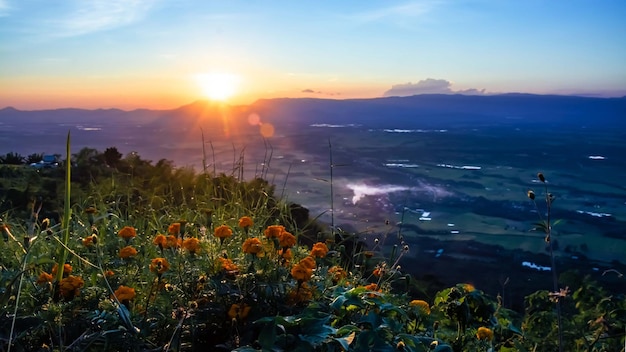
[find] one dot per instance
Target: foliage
(160, 258)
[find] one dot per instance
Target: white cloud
(98, 15)
(428, 86)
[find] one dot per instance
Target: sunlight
(218, 85)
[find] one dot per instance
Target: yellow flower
(70, 286)
(192, 244)
(252, 246)
(127, 252)
(159, 265)
(223, 232)
(125, 293)
(274, 231)
(286, 239)
(319, 250)
(245, 221)
(484, 333)
(422, 306)
(127, 232)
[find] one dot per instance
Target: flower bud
(541, 177)
(531, 195)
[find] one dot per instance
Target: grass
(166, 260)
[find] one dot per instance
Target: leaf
(267, 337)
(346, 341)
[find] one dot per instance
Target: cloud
(311, 91)
(308, 91)
(428, 86)
(99, 15)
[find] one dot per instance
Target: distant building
(47, 162)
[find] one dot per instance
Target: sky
(158, 54)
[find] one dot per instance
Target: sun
(218, 85)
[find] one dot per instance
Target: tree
(112, 157)
(12, 158)
(34, 158)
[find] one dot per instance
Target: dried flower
(252, 246)
(557, 296)
(422, 306)
(70, 286)
(192, 244)
(159, 266)
(127, 252)
(541, 177)
(127, 232)
(337, 273)
(378, 272)
(109, 273)
(125, 293)
(274, 231)
(531, 195)
(245, 222)
(484, 333)
(286, 239)
(319, 250)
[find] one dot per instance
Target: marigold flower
(378, 272)
(422, 306)
(159, 265)
(468, 288)
(125, 293)
(174, 229)
(301, 273)
(302, 293)
(109, 273)
(160, 240)
(67, 269)
(228, 265)
(484, 333)
(337, 273)
(286, 239)
(371, 287)
(239, 311)
(88, 241)
(245, 222)
(286, 254)
(172, 242)
(319, 250)
(252, 246)
(90, 210)
(223, 232)
(274, 231)
(308, 262)
(44, 278)
(70, 286)
(127, 252)
(127, 232)
(192, 244)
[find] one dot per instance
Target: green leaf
(267, 337)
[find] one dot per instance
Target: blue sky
(149, 53)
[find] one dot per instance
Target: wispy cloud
(428, 86)
(98, 15)
(408, 10)
(5, 8)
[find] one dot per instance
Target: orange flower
(300, 294)
(223, 232)
(159, 266)
(90, 210)
(127, 232)
(468, 288)
(174, 229)
(160, 241)
(252, 245)
(88, 241)
(245, 221)
(287, 240)
(172, 242)
(286, 254)
(43, 278)
(228, 265)
(371, 287)
(273, 231)
(239, 311)
(301, 273)
(125, 293)
(70, 286)
(109, 273)
(378, 272)
(484, 333)
(337, 273)
(67, 269)
(127, 252)
(319, 250)
(422, 306)
(192, 244)
(308, 262)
